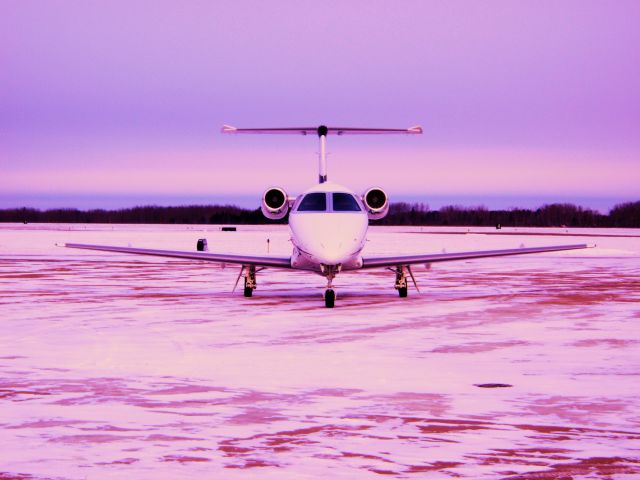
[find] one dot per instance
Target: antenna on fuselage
(322, 131)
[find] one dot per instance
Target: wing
(267, 261)
(376, 262)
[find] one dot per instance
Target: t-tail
(322, 131)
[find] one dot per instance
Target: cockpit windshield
(344, 202)
(313, 202)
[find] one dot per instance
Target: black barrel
(202, 246)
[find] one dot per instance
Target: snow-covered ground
(116, 366)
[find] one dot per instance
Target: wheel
(248, 292)
(402, 291)
(329, 298)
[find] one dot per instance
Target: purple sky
(121, 99)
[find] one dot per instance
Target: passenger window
(313, 202)
(344, 202)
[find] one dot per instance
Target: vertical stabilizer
(322, 157)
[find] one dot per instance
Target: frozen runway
(115, 366)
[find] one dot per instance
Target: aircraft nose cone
(328, 238)
(331, 253)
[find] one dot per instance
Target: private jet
(328, 225)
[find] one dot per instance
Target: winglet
(228, 129)
(415, 129)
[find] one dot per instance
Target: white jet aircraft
(328, 224)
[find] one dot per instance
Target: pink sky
(121, 98)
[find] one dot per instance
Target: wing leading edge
(285, 262)
(266, 261)
(377, 262)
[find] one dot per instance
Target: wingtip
(415, 129)
(228, 129)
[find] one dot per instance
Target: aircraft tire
(248, 292)
(402, 291)
(329, 298)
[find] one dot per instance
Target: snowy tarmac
(116, 366)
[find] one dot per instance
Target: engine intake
(377, 203)
(275, 203)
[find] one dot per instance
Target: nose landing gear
(330, 271)
(329, 298)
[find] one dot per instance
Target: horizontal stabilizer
(324, 130)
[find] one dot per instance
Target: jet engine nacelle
(275, 203)
(376, 202)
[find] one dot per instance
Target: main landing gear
(249, 274)
(401, 280)
(402, 273)
(249, 280)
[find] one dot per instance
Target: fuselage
(328, 226)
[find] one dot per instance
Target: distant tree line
(190, 214)
(625, 215)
